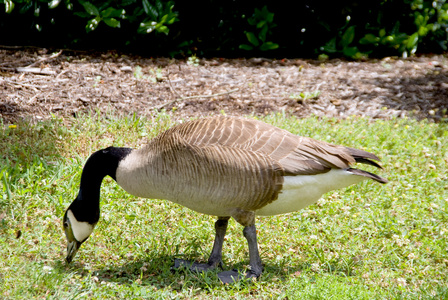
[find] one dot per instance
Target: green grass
(368, 241)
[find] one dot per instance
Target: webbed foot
(192, 265)
(234, 276)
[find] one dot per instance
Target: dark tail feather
(368, 175)
(364, 157)
(368, 158)
(363, 160)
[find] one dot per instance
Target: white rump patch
(302, 190)
(81, 230)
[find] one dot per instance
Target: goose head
(76, 233)
(72, 243)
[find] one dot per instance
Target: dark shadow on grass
(156, 272)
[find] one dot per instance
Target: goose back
(296, 154)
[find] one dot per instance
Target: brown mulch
(69, 83)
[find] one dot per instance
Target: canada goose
(221, 166)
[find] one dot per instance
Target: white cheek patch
(81, 230)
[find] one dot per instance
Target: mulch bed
(35, 83)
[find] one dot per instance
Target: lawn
(368, 241)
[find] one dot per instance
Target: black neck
(86, 206)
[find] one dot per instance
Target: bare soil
(68, 83)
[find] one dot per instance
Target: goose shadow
(157, 272)
(153, 271)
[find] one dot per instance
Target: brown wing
(214, 173)
(296, 155)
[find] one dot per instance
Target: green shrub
(350, 28)
(142, 17)
(430, 19)
(103, 13)
(393, 27)
(263, 20)
(158, 17)
(342, 43)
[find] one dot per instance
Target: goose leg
(256, 268)
(215, 258)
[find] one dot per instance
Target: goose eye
(65, 224)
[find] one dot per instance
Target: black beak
(72, 248)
